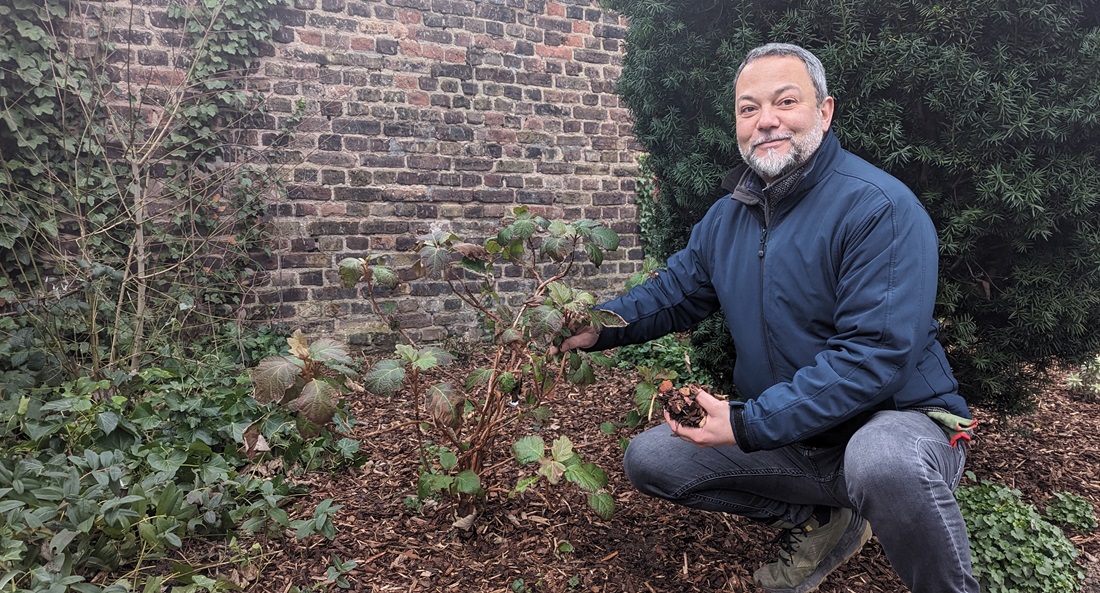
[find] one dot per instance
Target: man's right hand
(585, 337)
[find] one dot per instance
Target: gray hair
(813, 65)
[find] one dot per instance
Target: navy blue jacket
(828, 295)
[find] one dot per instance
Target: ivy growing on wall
(127, 211)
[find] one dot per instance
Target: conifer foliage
(989, 110)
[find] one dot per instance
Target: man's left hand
(715, 432)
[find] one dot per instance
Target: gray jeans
(898, 471)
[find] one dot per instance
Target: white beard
(773, 165)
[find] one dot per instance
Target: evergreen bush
(986, 109)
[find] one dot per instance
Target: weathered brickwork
(430, 113)
(442, 113)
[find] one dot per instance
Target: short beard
(772, 166)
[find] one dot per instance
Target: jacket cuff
(737, 422)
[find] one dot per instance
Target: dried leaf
(299, 345)
(254, 441)
(472, 251)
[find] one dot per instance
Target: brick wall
(445, 113)
(422, 113)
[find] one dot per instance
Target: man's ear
(826, 113)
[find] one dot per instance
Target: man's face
(779, 123)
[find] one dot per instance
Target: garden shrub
(462, 423)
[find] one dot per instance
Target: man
(826, 269)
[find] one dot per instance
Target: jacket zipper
(765, 223)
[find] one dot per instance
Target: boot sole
(849, 545)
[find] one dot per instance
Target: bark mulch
(547, 540)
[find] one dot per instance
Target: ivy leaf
(528, 449)
(107, 422)
(273, 376)
(317, 402)
(385, 378)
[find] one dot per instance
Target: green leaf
(434, 356)
(328, 350)
(318, 401)
(467, 482)
(169, 463)
(587, 475)
(107, 422)
(561, 449)
(595, 254)
(545, 321)
(384, 276)
(603, 504)
(351, 271)
(385, 378)
(583, 374)
(447, 459)
(273, 376)
(528, 449)
(556, 248)
(524, 483)
(605, 238)
(602, 318)
(478, 377)
(434, 259)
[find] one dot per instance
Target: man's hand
(715, 432)
(585, 337)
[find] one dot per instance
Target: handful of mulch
(681, 404)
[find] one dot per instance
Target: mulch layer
(546, 540)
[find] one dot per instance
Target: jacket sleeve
(884, 299)
(679, 297)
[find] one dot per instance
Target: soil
(548, 540)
